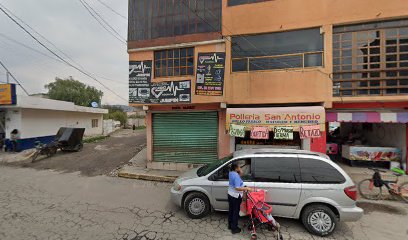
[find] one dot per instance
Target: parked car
(300, 184)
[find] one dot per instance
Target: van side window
(245, 164)
(276, 169)
(319, 172)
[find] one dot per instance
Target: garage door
(185, 137)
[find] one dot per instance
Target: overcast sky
(68, 25)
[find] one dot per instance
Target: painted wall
(13, 120)
(35, 122)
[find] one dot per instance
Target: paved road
(50, 205)
(96, 158)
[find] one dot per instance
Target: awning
(368, 117)
(279, 116)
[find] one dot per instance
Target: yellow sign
(7, 94)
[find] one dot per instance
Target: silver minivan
(299, 184)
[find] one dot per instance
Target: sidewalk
(136, 169)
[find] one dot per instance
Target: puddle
(380, 207)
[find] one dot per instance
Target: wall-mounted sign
(310, 132)
(171, 92)
(283, 133)
(237, 131)
(259, 133)
(210, 74)
(140, 75)
(8, 95)
(280, 116)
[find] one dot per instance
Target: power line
(113, 10)
(104, 23)
(59, 57)
(8, 71)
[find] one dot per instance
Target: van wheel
(319, 220)
(197, 205)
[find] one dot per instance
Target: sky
(68, 25)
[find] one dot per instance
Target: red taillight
(351, 192)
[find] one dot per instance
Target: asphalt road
(95, 158)
(43, 204)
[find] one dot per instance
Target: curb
(147, 177)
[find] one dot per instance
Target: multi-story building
(212, 74)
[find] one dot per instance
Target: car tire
(319, 220)
(197, 205)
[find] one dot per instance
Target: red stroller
(260, 214)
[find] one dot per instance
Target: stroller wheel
(254, 236)
(279, 236)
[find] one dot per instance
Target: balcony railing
(277, 62)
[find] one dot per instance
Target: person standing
(134, 127)
(14, 137)
(235, 192)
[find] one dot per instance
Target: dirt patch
(98, 158)
(370, 207)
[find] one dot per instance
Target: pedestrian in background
(134, 127)
(14, 137)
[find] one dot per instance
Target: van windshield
(206, 169)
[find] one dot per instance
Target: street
(43, 204)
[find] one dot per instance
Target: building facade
(216, 76)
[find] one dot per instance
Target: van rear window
(319, 172)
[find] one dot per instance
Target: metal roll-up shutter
(185, 137)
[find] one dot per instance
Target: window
(319, 172)
(371, 59)
(240, 2)
(292, 49)
(174, 62)
(245, 164)
(151, 19)
(276, 169)
(95, 123)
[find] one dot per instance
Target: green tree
(72, 90)
(116, 113)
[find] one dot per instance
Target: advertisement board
(8, 95)
(140, 75)
(283, 133)
(210, 74)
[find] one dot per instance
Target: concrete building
(39, 119)
(199, 66)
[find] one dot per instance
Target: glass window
(174, 62)
(319, 172)
(276, 169)
(150, 19)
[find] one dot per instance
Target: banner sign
(8, 95)
(279, 116)
(237, 131)
(210, 74)
(310, 132)
(260, 133)
(140, 75)
(283, 133)
(171, 92)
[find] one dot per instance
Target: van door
(220, 183)
(279, 175)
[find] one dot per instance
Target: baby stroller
(260, 214)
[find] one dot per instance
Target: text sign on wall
(210, 74)
(283, 133)
(260, 133)
(140, 75)
(8, 94)
(237, 131)
(171, 92)
(310, 132)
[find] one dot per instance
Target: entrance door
(185, 137)
(280, 177)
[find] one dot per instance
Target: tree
(116, 113)
(71, 90)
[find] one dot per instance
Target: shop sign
(285, 116)
(171, 92)
(260, 133)
(140, 75)
(283, 133)
(237, 131)
(310, 131)
(8, 94)
(210, 74)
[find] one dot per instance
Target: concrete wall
(13, 120)
(109, 126)
(36, 122)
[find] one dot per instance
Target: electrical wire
(104, 23)
(113, 10)
(58, 56)
(11, 75)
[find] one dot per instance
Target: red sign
(260, 133)
(310, 132)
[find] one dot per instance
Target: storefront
(371, 137)
(280, 127)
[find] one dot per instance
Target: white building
(39, 119)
